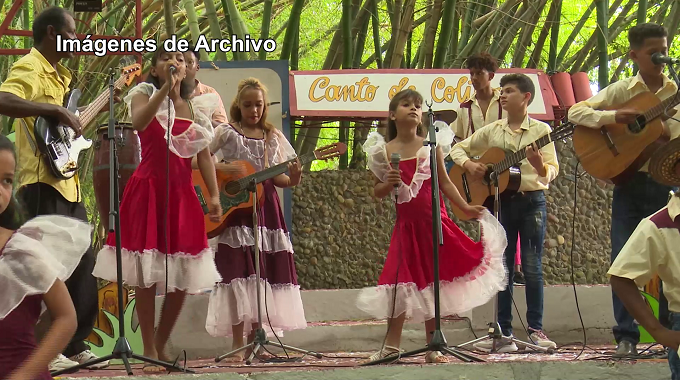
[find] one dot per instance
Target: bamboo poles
(445, 37)
(215, 30)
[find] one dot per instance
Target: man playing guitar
(35, 86)
(641, 196)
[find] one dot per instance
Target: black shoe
(518, 278)
(625, 349)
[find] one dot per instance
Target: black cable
(573, 243)
(573, 233)
(396, 283)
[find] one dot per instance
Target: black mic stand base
(122, 349)
(438, 341)
(495, 333)
(260, 340)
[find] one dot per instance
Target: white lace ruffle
(193, 274)
(234, 303)
(379, 163)
(270, 240)
(229, 145)
(457, 296)
(198, 136)
(44, 249)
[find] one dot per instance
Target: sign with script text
(367, 93)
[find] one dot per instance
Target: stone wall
(341, 232)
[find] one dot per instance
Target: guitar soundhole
(232, 188)
(638, 124)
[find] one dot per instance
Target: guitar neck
(521, 154)
(272, 172)
(93, 108)
(662, 107)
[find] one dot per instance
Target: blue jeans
(673, 360)
(524, 213)
(632, 202)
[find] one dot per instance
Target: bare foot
(261, 354)
(236, 358)
(435, 357)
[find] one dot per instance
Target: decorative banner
(367, 93)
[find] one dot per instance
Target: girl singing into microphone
(160, 103)
(471, 272)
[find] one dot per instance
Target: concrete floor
(594, 363)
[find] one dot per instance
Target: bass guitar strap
(29, 138)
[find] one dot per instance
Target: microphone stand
(674, 74)
(122, 349)
(438, 341)
(260, 340)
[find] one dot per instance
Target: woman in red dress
(160, 103)
(471, 272)
(36, 258)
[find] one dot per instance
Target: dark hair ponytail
(13, 217)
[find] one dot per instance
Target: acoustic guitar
(234, 191)
(615, 152)
(504, 164)
(57, 142)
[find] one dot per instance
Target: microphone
(172, 69)
(659, 59)
(394, 162)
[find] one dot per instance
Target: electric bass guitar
(235, 193)
(57, 142)
(615, 152)
(503, 165)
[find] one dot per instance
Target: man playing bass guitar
(641, 196)
(35, 86)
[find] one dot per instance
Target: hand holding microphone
(171, 73)
(393, 177)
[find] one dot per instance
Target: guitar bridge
(608, 139)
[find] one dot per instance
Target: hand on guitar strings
(215, 209)
(476, 170)
(295, 172)
(626, 116)
(535, 157)
(116, 99)
(68, 118)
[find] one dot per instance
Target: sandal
(152, 368)
(385, 352)
(435, 357)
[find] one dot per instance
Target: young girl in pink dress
(36, 258)
(471, 272)
(190, 261)
(233, 302)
